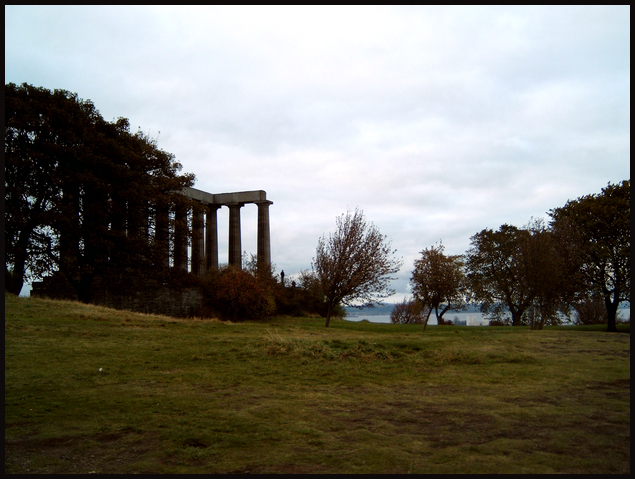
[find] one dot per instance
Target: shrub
(497, 322)
(408, 312)
(236, 295)
(590, 311)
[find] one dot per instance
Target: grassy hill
(90, 389)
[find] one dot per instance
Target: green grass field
(289, 396)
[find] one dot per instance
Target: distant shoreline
(387, 308)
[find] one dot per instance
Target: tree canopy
(81, 193)
(494, 266)
(438, 281)
(353, 265)
(537, 271)
(597, 229)
(545, 274)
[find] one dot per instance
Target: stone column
(235, 247)
(144, 221)
(211, 239)
(69, 241)
(161, 239)
(180, 237)
(198, 243)
(264, 241)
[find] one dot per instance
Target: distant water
(471, 319)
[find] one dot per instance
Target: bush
(289, 299)
(236, 295)
(296, 301)
(498, 322)
(408, 312)
(313, 297)
(590, 311)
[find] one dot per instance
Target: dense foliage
(438, 282)
(254, 293)
(81, 193)
(235, 295)
(599, 231)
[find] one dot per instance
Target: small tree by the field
(438, 282)
(353, 265)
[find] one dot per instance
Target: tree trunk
(329, 312)
(84, 288)
(611, 309)
(16, 282)
(440, 321)
(13, 281)
(425, 321)
(517, 316)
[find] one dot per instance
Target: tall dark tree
(546, 275)
(81, 193)
(43, 131)
(495, 272)
(597, 229)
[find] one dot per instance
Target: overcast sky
(437, 122)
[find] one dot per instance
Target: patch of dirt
(618, 384)
(443, 427)
(432, 423)
(108, 453)
(619, 389)
(531, 401)
(279, 469)
(626, 353)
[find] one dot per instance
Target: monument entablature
(224, 199)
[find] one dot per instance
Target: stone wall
(152, 298)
